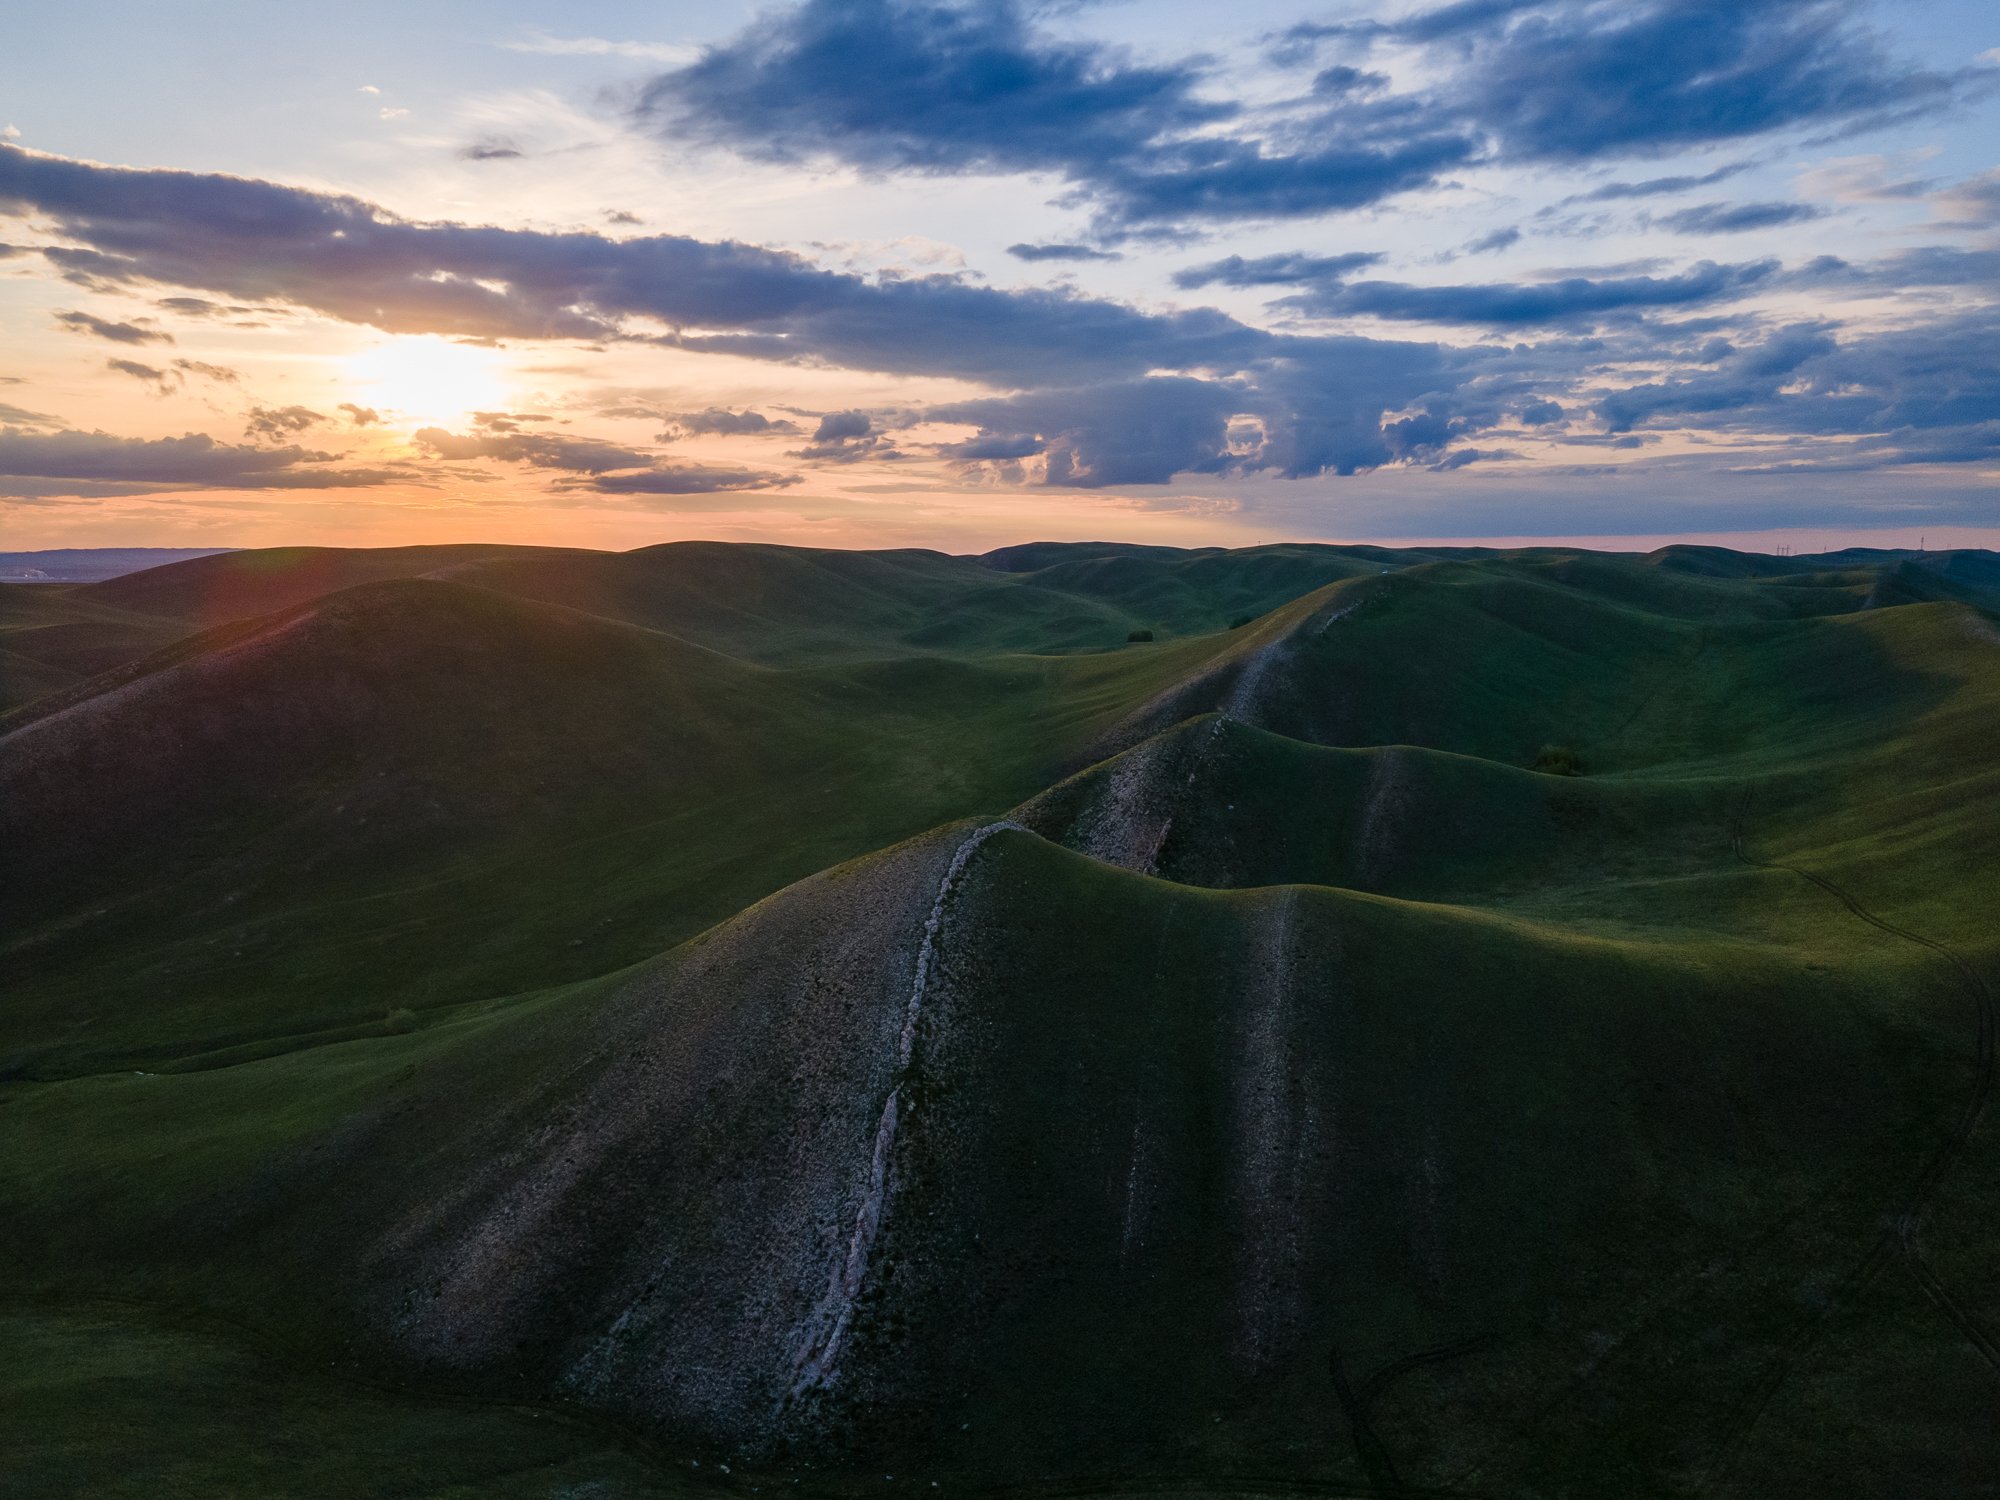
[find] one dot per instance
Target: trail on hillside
(818, 1360)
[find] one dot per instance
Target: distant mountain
(1480, 1023)
(90, 564)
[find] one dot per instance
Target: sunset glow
(927, 272)
(419, 382)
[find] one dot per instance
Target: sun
(428, 381)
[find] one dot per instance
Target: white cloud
(678, 53)
(11, 133)
(390, 112)
(368, 88)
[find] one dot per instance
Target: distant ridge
(92, 564)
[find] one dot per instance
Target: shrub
(399, 1021)
(1559, 760)
(1139, 635)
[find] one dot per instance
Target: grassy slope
(1782, 1063)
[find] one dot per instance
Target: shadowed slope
(983, 1156)
(1348, 1106)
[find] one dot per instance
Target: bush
(399, 1021)
(1240, 621)
(1559, 760)
(1139, 635)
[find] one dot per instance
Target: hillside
(1488, 1024)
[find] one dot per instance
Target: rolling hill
(545, 1022)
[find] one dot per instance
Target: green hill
(1501, 1024)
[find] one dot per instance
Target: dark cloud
(541, 450)
(505, 421)
(360, 416)
(162, 381)
(841, 424)
(1658, 187)
(607, 468)
(921, 86)
(280, 422)
(936, 87)
(910, 85)
(620, 216)
(1921, 395)
(1509, 304)
(193, 461)
(1060, 252)
(1289, 269)
(20, 416)
(1734, 218)
(845, 437)
(492, 148)
(1577, 81)
(688, 479)
(117, 333)
(347, 259)
(1103, 392)
(1136, 432)
(719, 422)
(169, 378)
(201, 307)
(1499, 239)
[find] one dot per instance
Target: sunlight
(427, 380)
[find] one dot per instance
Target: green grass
(410, 982)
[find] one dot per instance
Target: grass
(418, 983)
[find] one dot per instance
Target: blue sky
(949, 275)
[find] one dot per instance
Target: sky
(954, 275)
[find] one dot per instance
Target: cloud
(1578, 81)
(845, 437)
(606, 468)
(1658, 187)
(492, 148)
(1289, 269)
(717, 421)
(841, 424)
(117, 333)
(1060, 252)
(541, 450)
(1921, 395)
(349, 260)
(1971, 204)
(168, 379)
(595, 46)
(688, 479)
(360, 416)
(910, 85)
(1509, 304)
(1096, 391)
(20, 416)
(1499, 239)
(1134, 432)
(1734, 218)
(920, 86)
(192, 461)
(164, 382)
(927, 86)
(280, 422)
